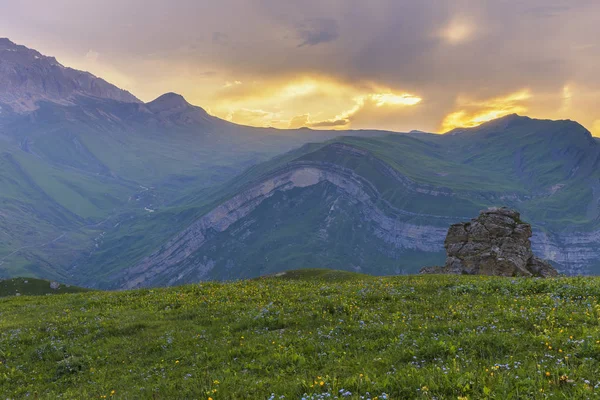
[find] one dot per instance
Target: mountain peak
(28, 77)
(169, 102)
(173, 108)
(6, 43)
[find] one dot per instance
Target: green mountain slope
(70, 173)
(382, 205)
(100, 189)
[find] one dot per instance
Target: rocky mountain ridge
(28, 77)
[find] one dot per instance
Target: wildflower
(112, 392)
(177, 362)
(321, 383)
(547, 373)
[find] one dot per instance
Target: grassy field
(311, 335)
(34, 287)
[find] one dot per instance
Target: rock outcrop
(495, 243)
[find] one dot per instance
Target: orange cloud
(474, 113)
(311, 101)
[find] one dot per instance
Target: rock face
(495, 243)
(27, 77)
(178, 257)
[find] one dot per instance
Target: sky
(430, 65)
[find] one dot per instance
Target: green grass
(34, 287)
(319, 274)
(312, 332)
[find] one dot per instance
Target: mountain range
(102, 190)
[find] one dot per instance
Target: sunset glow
(475, 112)
(330, 65)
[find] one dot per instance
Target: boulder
(495, 243)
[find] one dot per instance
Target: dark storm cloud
(318, 30)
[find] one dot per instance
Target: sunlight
(405, 99)
(474, 113)
(458, 31)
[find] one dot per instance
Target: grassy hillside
(547, 170)
(72, 174)
(34, 287)
(306, 335)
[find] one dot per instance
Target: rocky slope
(495, 243)
(27, 77)
(388, 224)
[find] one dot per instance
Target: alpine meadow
(284, 199)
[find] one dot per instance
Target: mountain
(102, 190)
(27, 77)
(383, 205)
(80, 157)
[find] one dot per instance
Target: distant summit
(172, 108)
(169, 102)
(28, 77)
(528, 124)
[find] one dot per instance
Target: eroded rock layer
(495, 243)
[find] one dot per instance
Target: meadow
(311, 334)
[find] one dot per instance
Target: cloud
(366, 103)
(253, 117)
(312, 32)
(92, 56)
(476, 112)
(229, 84)
(330, 123)
(220, 38)
(439, 50)
(458, 31)
(546, 11)
(299, 121)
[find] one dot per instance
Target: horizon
(286, 65)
